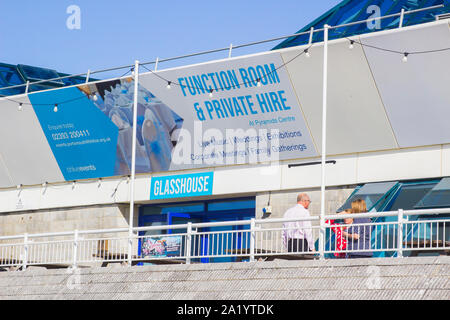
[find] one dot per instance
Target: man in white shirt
(297, 235)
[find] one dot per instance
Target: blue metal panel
(356, 10)
(12, 75)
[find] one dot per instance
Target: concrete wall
(65, 219)
(424, 278)
(281, 201)
(349, 170)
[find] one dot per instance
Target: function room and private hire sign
(234, 111)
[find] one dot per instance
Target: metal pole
(311, 35)
(156, 64)
(75, 250)
(229, 52)
(189, 243)
(88, 75)
(402, 15)
(133, 163)
(25, 253)
(252, 240)
(324, 142)
(400, 234)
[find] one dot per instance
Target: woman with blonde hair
(359, 206)
(359, 233)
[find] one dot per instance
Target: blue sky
(116, 33)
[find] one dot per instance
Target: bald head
(304, 200)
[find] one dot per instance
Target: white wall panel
(241, 180)
(5, 179)
(341, 173)
(416, 94)
(446, 160)
(405, 164)
(356, 119)
(24, 148)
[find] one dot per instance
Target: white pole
(402, 15)
(324, 142)
(133, 162)
(311, 35)
(88, 75)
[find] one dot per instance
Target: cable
(169, 82)
(395, 51)
(306, 51)
(46, 104)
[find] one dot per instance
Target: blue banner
(82, 138)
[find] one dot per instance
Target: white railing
(399, 234)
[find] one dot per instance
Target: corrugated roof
(359, 10)
(13, 75)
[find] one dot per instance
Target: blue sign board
(178, 186)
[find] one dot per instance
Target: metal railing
(398, 234)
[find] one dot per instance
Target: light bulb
(211, 93)
(94, 97)
(258, 83)
(405, 57)
(168, 85)
(351, 46)
(20, 107)
(55, 109)
(307, 54)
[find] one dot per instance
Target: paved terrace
(381, 278)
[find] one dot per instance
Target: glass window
(172, 208)
(437, 197)
(12, 78)
(36, 74)
(372, 193)
(409, 195)
(231, 205)
(424, 16)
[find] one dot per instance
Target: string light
(307, 54)
(169, 83)
(248, 83)
(351, 46)
(405, 57)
